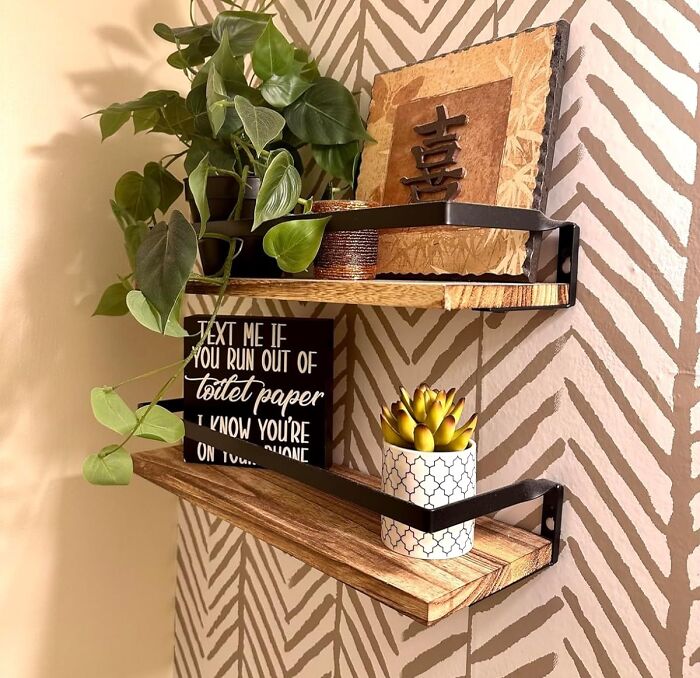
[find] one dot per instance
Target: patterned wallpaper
(603, 397)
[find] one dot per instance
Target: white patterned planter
(429, 479)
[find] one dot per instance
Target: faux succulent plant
(427, 422)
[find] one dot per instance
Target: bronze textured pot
(346, 255)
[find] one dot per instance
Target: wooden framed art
(476, 125)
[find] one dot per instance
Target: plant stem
(173, 157)
(229, 173)
(249, 150)
(306, 203)
(145, 374)
(174, 132)
(188, 71)
(241, 194)
(183, 363)
(205, 279)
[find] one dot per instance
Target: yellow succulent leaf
(469, 426)
(419, 406)
(459, 443)
(409, 412)
(461, 437)
(423, 439)
(406, 399)
(389, 415)
(445, 431)
(458, 408)
(390, 434)
(435, 415)
(405, 426)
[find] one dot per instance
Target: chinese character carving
(435, 159)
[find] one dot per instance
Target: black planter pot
(222, 195)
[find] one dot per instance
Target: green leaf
(216, 100)
(164, 262)
(261, 125)
(338, 160)
(326, 114)
(279, 190)
(221, 155)
(294, 244)
(153, 99)
(112, 465)
(138, 194)
(243, 29)
(169, 185)
(185, 36)
(111, 411)
(222, 86)
(193, 55)
(282, 90)
(272, 53)
(145, 119)
(198, 186)
(134, 234)
(178, 119)
(161, 126)
(217, 115)
(308, 69)
(229, 67)
(147, 316)
(112, 120)
(296, 156)
(122, 216)
(113, 300)
(196, 103)
(201, 77)
(160, 424)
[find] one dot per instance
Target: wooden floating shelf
(342, 539)
(446, 295)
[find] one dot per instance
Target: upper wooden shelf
(342, 539)
(445, 295)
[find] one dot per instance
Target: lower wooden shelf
(412, 294)
(342, 539)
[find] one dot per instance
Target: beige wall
(86, 574)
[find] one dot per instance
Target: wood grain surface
(450, 296)
(342, 539)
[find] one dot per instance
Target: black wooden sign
(266, 380)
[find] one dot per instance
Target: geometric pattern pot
(431, 480)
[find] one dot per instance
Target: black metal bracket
(442, 213)
(427, 520)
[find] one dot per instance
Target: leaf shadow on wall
(103, 607)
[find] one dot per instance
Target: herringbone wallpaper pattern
(603, 397)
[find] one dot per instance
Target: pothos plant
(254, 102)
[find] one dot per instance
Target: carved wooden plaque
(475, 125)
